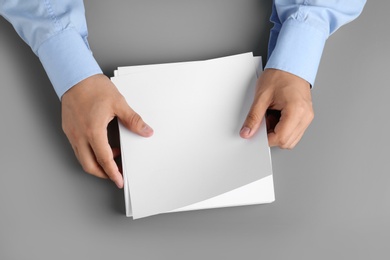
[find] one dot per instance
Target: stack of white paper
(196, 158)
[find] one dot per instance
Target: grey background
(332, 190)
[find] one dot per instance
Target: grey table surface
(332, 190)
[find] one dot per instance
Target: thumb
(132, 121)
(254, 117)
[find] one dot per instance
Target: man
(57, 33)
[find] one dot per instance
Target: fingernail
(245, 131)
(147, 130)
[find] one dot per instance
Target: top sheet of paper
(196, 153)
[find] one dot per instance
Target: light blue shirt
(57, 33)
(301, 28)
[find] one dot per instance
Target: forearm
(57, 33)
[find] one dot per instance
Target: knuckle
(134, 119)
(90, 168)
(263, 93)
(103, 161)
(283, 146)
(286, 147)
(253, 118)
(91, 133)
(283, 143)
(291, 146)
(310, 115)
(301, 107)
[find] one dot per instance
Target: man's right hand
(87, 109)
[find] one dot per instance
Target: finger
(303, 125)
(105, 157)
(274, 139)
(286, 129)
(296, 141)
(290, 139)
(132, 120)
(254, 117)
(300, 131)
(87, 160)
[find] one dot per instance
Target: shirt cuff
(67, 60)
(298, 49)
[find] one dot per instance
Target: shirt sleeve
(57, 33)
(301, 28)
